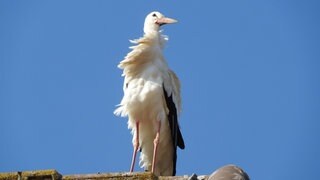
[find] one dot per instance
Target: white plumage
(152, 100)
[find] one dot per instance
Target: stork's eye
(154, 15)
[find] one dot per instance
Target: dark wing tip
(173, 121)
(180, 142)
(176, 136)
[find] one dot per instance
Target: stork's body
(152, 100)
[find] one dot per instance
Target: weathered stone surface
(229, 172)
(185, 177)
(32, 175)
(112, 176)
(41, 175)
(9, 176)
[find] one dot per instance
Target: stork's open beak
(165, 20)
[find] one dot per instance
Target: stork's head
(154, 20)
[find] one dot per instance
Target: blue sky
(249, 72)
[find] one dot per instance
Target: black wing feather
(176, 135)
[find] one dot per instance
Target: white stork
(152, 100)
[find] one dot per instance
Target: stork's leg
(135, 147)
(155, 148)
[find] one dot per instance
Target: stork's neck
(157, 38)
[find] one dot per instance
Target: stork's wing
(176, 135)
(173, 121)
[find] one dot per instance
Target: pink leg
(135, 147)
(155, 149)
